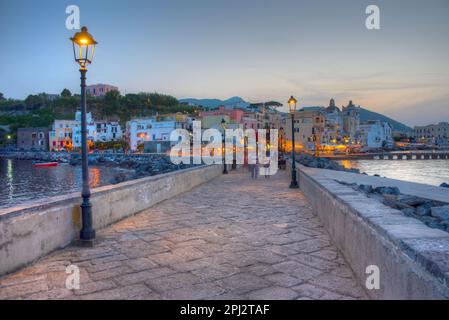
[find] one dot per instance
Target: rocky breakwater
(434, 214)
(322, 163)
(134, 166)
(62, 157)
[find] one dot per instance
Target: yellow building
(309, 127)
(61, 136)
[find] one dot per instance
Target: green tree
(66, 93)
(2, 98)
(112, 103)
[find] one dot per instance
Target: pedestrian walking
(253, 166)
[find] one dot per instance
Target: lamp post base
(86, 243)
(87, 232)
(294, 185)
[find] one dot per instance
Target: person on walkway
(266, 168)
(253, 166)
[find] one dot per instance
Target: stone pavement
(231, 238)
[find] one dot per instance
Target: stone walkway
(231, 238)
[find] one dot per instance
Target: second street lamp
(223, 125)
(292, 106)
(83, 51)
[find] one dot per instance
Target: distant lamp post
(234, 155)
(83, 51)
(223, 125)
(292, 106)
(281, 138)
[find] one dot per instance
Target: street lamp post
(292, 106)
(223, 125)
(83, 50)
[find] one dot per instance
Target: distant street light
(292, 106)
(83, 51)
(223, 125)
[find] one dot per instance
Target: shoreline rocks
(322, 163)
(434, 214)
(134, 166)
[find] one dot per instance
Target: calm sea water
(433, 172)
(21, 182)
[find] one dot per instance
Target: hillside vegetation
(41, 110)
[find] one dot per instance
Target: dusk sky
(258, 50)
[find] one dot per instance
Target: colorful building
(32, 139)
(100, 90)
(432, 134)
(234, 114)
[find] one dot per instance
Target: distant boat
(44, 164)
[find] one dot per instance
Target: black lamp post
(83, 50)
(281, 138)
(292, 106)
(223, 125)
(234, 160)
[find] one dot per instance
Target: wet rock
(444, 185)
(366, 188)
(431, 222)
(387, 190)
(441, 213)
(409, 212)
(411, 200)
(424, 209)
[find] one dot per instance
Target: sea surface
(21, 182)
(433, 172)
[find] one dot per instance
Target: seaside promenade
(229, 238)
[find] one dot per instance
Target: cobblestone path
(231, 238)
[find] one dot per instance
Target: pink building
(249, 123)
(235, 114)
(99, 90)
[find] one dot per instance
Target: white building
(108, 131)
(66, 134)
(376, 134)
(140, 130)
(76, 129)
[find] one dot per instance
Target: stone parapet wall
(30, 231)
(413, 259)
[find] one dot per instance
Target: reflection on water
(21, 182)
(433, 172)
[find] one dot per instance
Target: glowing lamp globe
(83, 47)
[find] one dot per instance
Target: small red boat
(44, 164)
